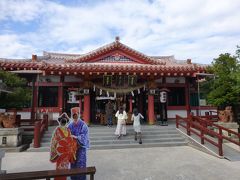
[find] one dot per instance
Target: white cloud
(20, 10)
(11, 47)
(200, 30)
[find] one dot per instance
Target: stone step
(111, 136)
(41, 149)
(131, 141)
(144, 136)
(102, 137)
(131, 127)
(125, 141)
(121, 146)
(104, 128)
(129, 132)
(133, 132)
(101, 129)
(20, 148)
(137, 145)
(27, 127)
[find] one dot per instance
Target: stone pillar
(86, 112)
(11, 137)
(2, 154)
(151, 117)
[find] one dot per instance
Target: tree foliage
(224, 89)
(21, 94)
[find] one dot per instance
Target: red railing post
(37, 134)
(45, 120)
(18, 120)
(177, 126)
(220, 141)
(188, 127)
(202, 136)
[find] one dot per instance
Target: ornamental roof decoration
(113, 57)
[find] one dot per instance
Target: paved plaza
(167, 163)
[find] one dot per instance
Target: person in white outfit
(121, 116)
(136, 117)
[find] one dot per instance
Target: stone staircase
(102, 137)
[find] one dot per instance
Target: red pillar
(86, 112)
(60, 97)
(151, 117)
(140, 103)
(130, 104)
(80, 104)
(187, 97)
(34, 102)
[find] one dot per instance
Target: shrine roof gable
(115, 52)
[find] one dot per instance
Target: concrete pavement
(167, 163)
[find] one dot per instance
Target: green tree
(224, 90)
(21, 94)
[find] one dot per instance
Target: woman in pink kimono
(121, 116)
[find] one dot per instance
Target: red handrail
(194, 123)
(39, 128)
(192, 126)
(220, 129)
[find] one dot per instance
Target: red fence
(199, 126)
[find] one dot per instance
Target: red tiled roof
(90, 62)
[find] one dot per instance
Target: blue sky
(199, 30)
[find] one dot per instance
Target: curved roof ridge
(149, 58)
(13, 60)
(61, 55)
(99, 49)
(163, 57)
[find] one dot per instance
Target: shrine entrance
(128, 101)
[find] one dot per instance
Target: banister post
(37, 134)
(220, 141)
(45, 120)
(18, 120)
(202, 136)
(177, 126)
(91, 176)
(188, 127)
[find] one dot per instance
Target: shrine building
(113, 72)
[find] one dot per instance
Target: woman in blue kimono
(79, 131)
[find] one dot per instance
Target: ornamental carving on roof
(116, 58)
